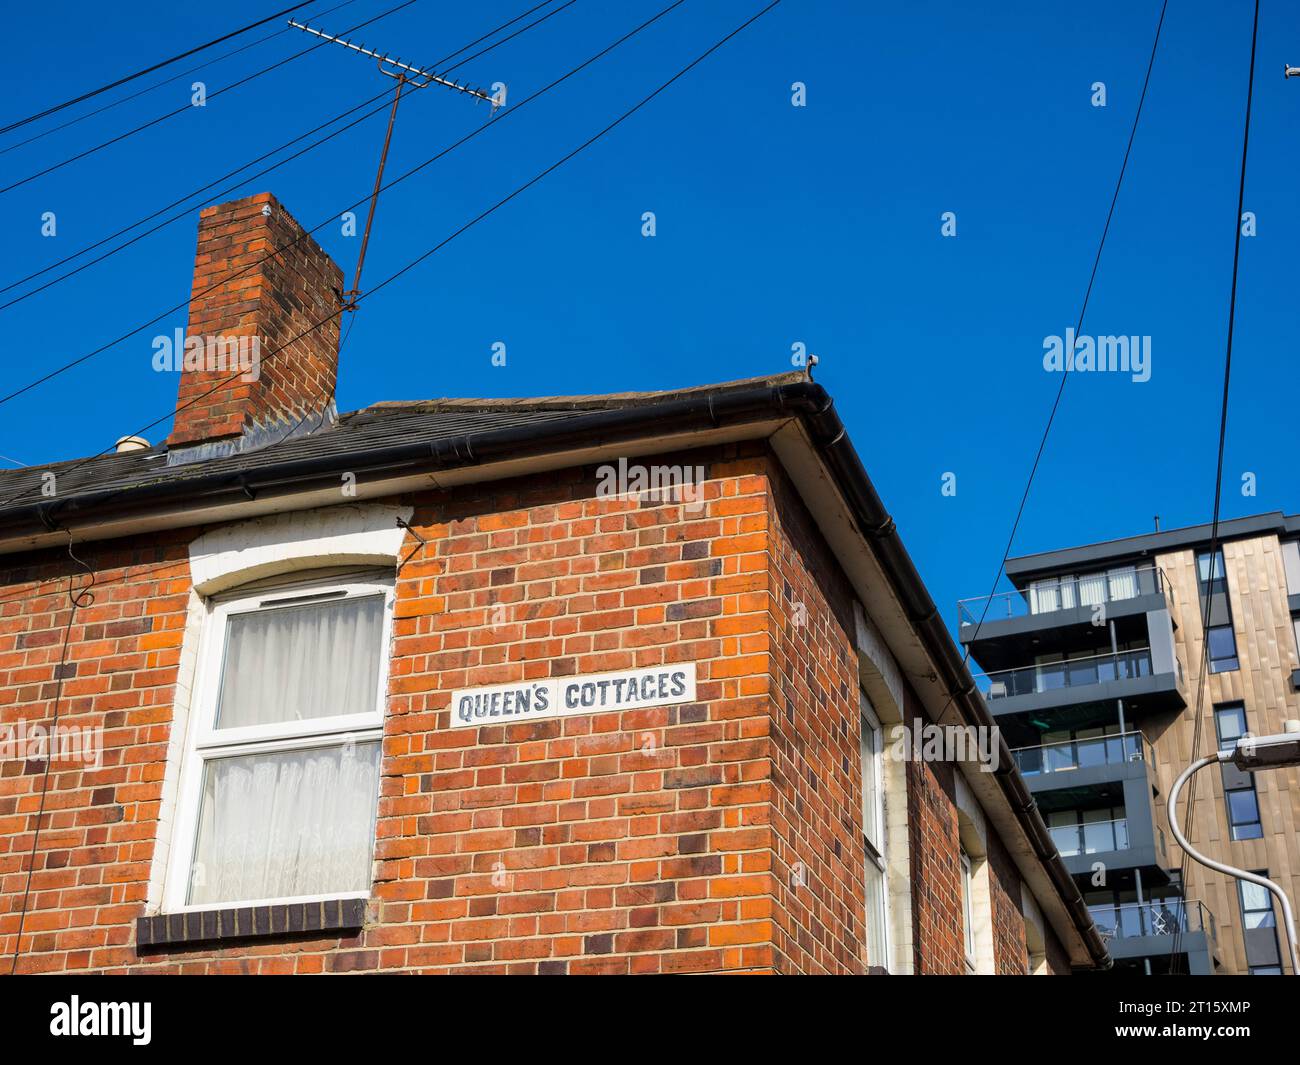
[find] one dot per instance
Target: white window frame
(205, 743)
(876, 851)
(1291, 565)
(968, 910)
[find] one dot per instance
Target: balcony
(1056, 603)
(1128, 675)
(1076, 756)
(1137, 930)
(1115, 770)
(1065, 613)
(1119, 844)
(1095, 837)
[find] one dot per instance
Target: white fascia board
(831, 512)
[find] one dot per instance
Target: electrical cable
(150, 69)
(72, 364)
(83, 598)
(478, 218)
(159, 84)
(189, 106)
(1065, 376)
(1208, 597)
(130, 571)
(384, 96)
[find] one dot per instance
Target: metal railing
(1091, 837)
(1066, 755)
(1067, 593)
(1069, 673)
(1161, 917)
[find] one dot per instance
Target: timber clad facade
(722, 835)
(1263, 687)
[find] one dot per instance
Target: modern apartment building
(1091, 669)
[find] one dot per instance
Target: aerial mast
(406, 76)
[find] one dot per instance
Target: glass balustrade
(1066, 755)
(1065, 593)
(1067, 673)
(1091, 837)
(1160, 917)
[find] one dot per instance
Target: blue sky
(775, 225)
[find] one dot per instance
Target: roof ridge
(593, 401)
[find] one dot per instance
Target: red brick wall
(937, 919)
(654, 840)
(92, 865)
(631, 842)
(816, 771)
(1010, 953)
(937, 914)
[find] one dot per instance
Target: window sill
(250, 922)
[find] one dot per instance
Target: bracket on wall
(402, 523)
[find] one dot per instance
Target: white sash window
(871, 749)
(280, 780)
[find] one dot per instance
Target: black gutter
(877, 527)
(604, 426)
(701, 410)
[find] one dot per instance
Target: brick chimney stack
(245, 327)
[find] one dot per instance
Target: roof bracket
(462, 450)
(885, 528)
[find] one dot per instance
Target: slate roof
(370, 429)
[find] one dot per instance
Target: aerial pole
(406, 76)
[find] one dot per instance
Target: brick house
(609, 684)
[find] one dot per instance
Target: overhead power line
(266, 170)
(150, 69)
(189, 107)
(501, 116)
(1208, 597)
(483, 214)
(185, 199)
(1078, 329)
(83, 598)
(159, 84)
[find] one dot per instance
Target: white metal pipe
(1230, 870)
